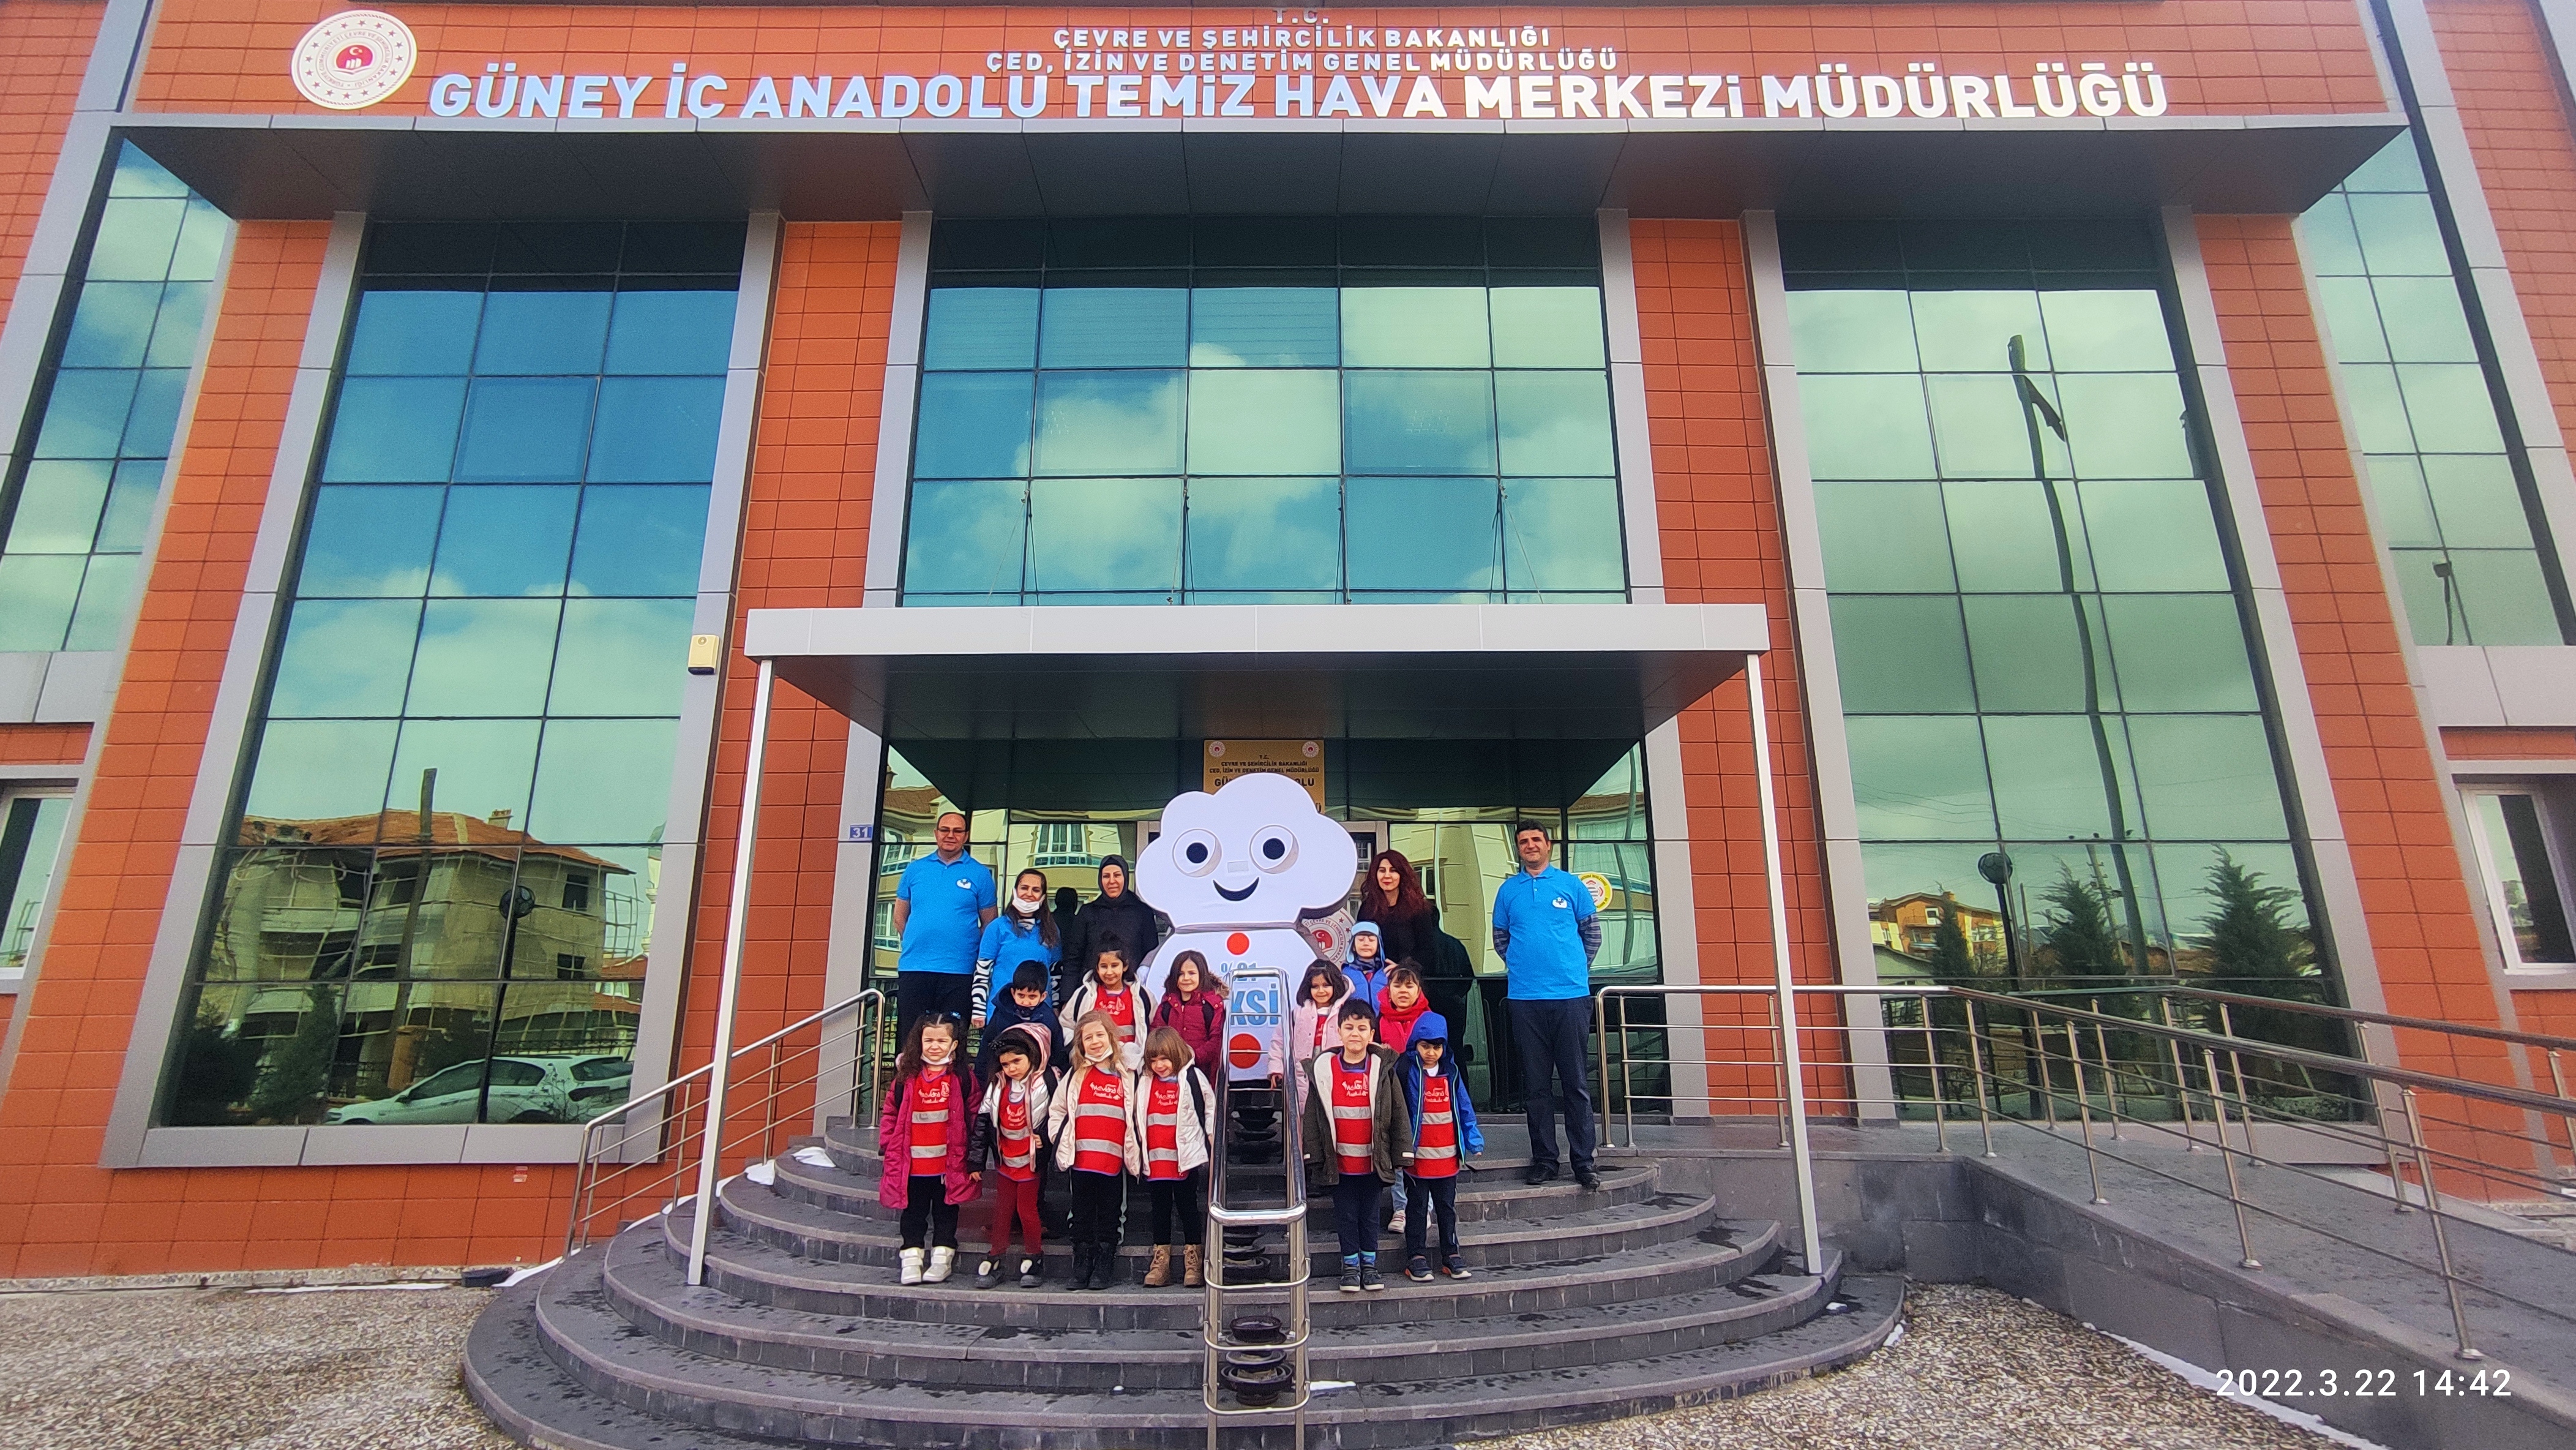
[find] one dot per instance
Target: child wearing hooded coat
(1028, 982)
(921, 1136)
(1444, 1132)
(1008, 1138)
(1310, 1023)
(1367, 965)
(1096, 1146)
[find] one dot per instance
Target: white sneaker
(941, 1262)
(911, 1261)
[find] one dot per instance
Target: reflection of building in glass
(1914, 926)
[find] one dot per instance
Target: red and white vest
(934, 1097)
(1163, 1129)
(1018, 1147)
(1435, 1150)
(1120, 1007)
(1100, 1124)
(1352, 1113)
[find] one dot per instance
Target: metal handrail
(2407, 1083)
(1291, 1215)
(2540, 1040)
(587, 1170)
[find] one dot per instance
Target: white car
(536, 1089)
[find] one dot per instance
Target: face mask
(1099, 1054)
(937, 1054)
(1025, 910)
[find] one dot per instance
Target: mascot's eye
(1195, 853)
(1274, 848)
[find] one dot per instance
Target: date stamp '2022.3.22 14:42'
(2327, 1384)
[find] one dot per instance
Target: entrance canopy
(1423, 672)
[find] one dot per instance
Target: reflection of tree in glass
(1950, 959)
(294, 1079)
(2254, 949)
(216, 1070)
(2080, 937)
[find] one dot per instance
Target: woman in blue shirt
(1024, 932)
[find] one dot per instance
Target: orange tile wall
(2222, 56)
(2415, 894)
(44, 47)
(2509, 744)
(59, 1212)
(2510, 104)
(1719, 517)
(43, 744)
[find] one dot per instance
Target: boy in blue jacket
(1027, 1002)
(1444, 1131)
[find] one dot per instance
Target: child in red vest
(1110, 989)
(1095, 1143)
(1174, 1113)
(1008, 1134)
(1400, 1004)
(1358, 1138)
(1193, 1005)
(921, 1136)
(1444, 1132)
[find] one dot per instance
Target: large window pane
(1920, 778)
(504, 542)
(113, 325)
(2504, 597)
(621, 657)
(2029, 653)
(130, 504)
(394, 430)
(31, 833)
(2049, 775)
(640, 540)
(345, 658)
(2516, 843)
(981, 327)
(1114, 537)
(1851, 332)
(1414, 327)
(2153, 535)
(1265, 421)
(85, 414)
(1113, 327)
(1418, 422)
(1901, 655)
(1879, 428)
(1258, 327)
(525, 430)
(1548, 327)
(973, 425)
(1884, 538)
(2120, 330)
(2207, 776)
(1981, 428)
(2476, 499)
(321, 770)
(484, 767)
(2450, 408)
(2424, 319)
(414, 333)
(670, 332)
(1554, 422)
(2006, 538)
(1562, 536)
(1435, 536)
(484, 657)
(108, 590)
(1970, 331)
(2399, 236)
(2126, 427)
(2180, 652)
(136, 237)
(657, 430)
(1109, 422)
(1258, 536)
(966, 537)
(59, 503)
(543, 332)
(369, 541)
(603, 780)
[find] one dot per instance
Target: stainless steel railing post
(1977, 1066)
(2084, 1111)
(2182, 1078)
(2227, 1156)
(1291, 1216)
(2441, 1236)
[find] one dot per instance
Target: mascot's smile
(1249, 887)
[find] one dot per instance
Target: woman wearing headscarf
(1117, 913)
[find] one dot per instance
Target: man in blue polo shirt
(1547, 932)
(940, 909)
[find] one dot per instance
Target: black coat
(1416, 937)
(1126, 918)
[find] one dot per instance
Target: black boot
(1080, 1278)
(1104, 1264)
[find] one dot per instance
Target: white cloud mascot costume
(1234, 871)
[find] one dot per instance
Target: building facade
(2126, 438)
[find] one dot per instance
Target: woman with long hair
(1391, 895)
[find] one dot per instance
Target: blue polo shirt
(1545, 959)
(949, 899)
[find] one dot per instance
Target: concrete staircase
(1583, 1306)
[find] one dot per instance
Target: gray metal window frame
(132, 1139)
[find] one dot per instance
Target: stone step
(821, 1233)
(644, 1280)
(850, 1186)
(597, 1350)
(764, 1273)
(511, 1378)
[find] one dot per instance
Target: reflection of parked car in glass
(538, 1089)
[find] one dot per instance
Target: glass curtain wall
(1264, 410)
(437, 902)
(72, 521)
(2456, 513)
(2040, 641)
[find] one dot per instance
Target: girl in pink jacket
(921, 1135)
